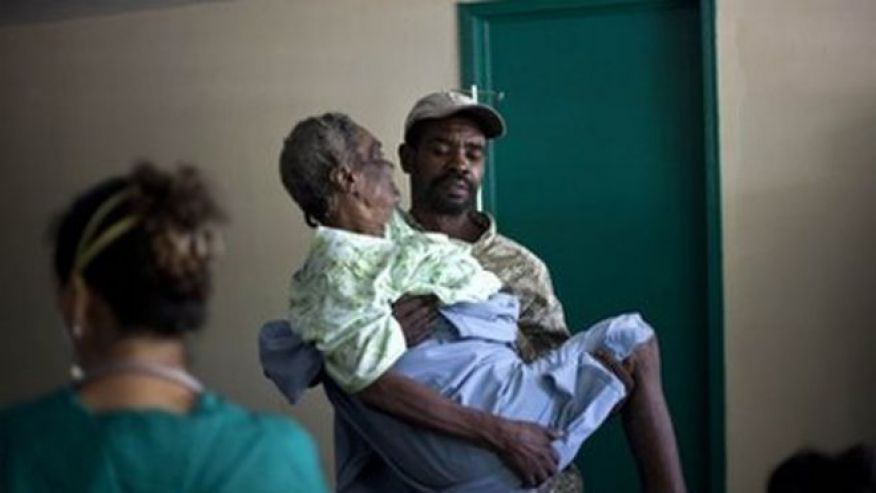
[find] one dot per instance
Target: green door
(606, 174)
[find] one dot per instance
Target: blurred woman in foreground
(133, 259)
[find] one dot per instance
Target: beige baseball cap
(443, 104)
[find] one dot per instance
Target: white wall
(798, 149)
(220, 84)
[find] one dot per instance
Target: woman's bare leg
(648, 425)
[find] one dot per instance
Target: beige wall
(219, 84)
(798, 117)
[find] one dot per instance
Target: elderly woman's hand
(415, 314)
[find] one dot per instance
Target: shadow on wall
(31, 11)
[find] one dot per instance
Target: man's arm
(524, 447)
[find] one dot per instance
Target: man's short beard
(439, 204)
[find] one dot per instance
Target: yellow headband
(89, 246)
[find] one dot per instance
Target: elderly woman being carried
(363, 258)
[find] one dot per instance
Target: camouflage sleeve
(542, 323)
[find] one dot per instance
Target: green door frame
(474, 25)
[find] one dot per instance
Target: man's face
(377, 187)
(446, 165)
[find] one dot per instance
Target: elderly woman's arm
(524, 447)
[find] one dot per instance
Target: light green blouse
(341, 298)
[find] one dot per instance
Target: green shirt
(55, 444)
(341, 298)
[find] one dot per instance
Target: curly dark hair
(157, 275)
(315, 147)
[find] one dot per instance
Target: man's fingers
(554, 434)
(414, 314)
(405, 298)
(418, 307)
(548, 458)
(552, 460)
(424, 324)
(546, 471)
(555, 457)
(418, 333)
(541, 475)
(423, 312)
(538, 469)
(408, 304)
(534, 459)
(417, 324)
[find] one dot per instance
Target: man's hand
(415, 314)
(526, 449)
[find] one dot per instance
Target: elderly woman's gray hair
(315, 147)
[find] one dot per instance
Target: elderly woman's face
(378, 188)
